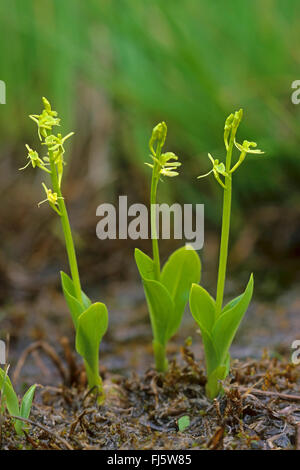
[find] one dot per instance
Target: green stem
(95, 381)
(225, 228)
(161, 362)
(67, 231)
(155, 249)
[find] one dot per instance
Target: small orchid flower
(52, 198)
(56, 142)
(34, 160)
(217, 169)
(165, 165)
(244, 149)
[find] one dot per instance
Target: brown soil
(259, 410)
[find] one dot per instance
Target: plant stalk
(67, 231)
(225, 227)
(154, 237)
(161, 362)
(95, 382)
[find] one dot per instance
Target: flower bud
(159, 135)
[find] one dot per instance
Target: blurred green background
(114, 68)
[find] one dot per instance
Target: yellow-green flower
(245, 148)
(35, 160)
(56, 142)
(217, 169)
(52, 198)
(165, 165)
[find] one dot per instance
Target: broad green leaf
(161, 309)
(227, 324)
(211, 356)
(75, 307)
(231, 304)
(10, 398)
(144, 264)
(182, 269)
(203, 307)
(27, 402)
(213, 386)
(91, 326)
(160, 304)
(227, 364)
(71, 289)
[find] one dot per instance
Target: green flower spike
(52, 198)
(46, 120)
(35, 160)
(217, 169)
(244, 149)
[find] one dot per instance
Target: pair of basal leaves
(168, 297)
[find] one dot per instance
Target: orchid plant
(90, 319)
(218, 323)
(166, 289)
